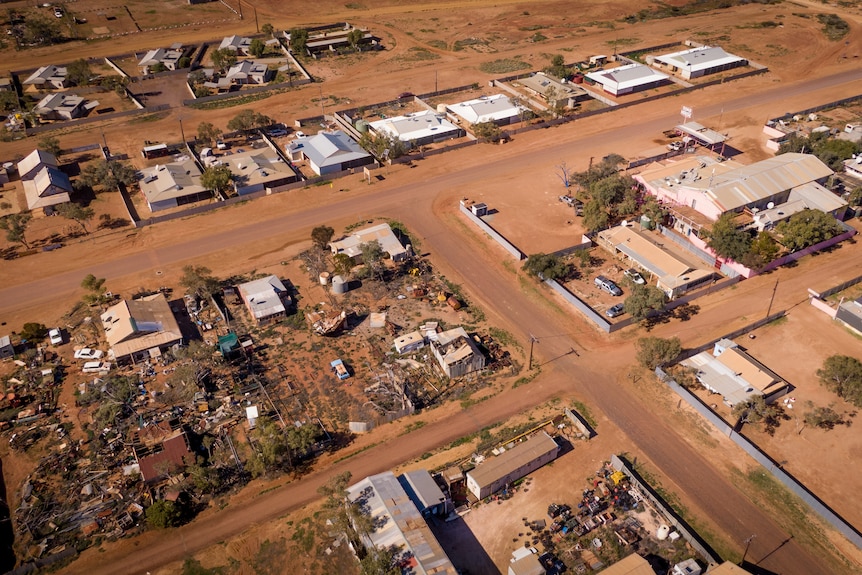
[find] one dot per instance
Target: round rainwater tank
(662, 532)
(441, 108)
(339, 285)
(361, 126)
(324, 278)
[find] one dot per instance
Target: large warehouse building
(698, 62)
(526, 457)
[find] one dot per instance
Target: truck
(339, 369)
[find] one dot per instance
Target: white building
(170, 185)
(168, 57)
(266, 299)
(238, 44)
(382, 233)
(627, 79)
(496, 473)
(698, 62)
(418, 128)
(329, 152)
(457, 353)
(498, 109)
(48, 77)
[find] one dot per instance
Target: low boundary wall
(507, 245)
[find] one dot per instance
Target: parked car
(96, 367)
(55, 336)
(608, 285)
(635, 276)
(405, 95)
(222, 145)
(58, 12)
(88, 353)
(616, 310)
(277, 132)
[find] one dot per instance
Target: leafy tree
(756, 410)
(115, 401)
(608, 166)
(354, 37)
(198, 280)
(655, 351)
(855, 197)
(298, 40)
(643, 300)
(372, 256)
(163, 514)
(96, 288)
(610, 190)
(828, 150)
(78, 72)
(223, 58)
(300, 439)
(50, 144)
(380, 561)
(842, 374)
(8, 101)
(207, 132)
(823, 417)
(596, 216)
(807, 228)
(192, 566)
(157, 68)
(248, 120)
(76, 212)
(763, 250)
(487, 131)
(205, 479)
(685, 375)
(40, 30)
(33, 331)
(557, 67)
(257, 48)
(321, 236)
(217, 178)
(547, 266)
(343, 263)
(383, 146)
(184, 62)
(271, 448)
(267, 29)
(726, 240)
(15, 226)
(106, 174)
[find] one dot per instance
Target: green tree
(756, 410)
(33, 331)
(354, 37)
(321, 236)
(107, 175)
(547, 267)
(248, 120)
(610, 190)
(79, 72)
(608, 166)
(763, 250)
(95, 287)
(842, 374)
(77, 213)
(271, 449)
(217, 178)
(298, 40)
(157, 68)
(207, 132)
(343, 263)
(15, 226)
(807, 228)
(726, 240)
(223, 58)
(558, 67)
(8, 100)
(372, 257)
(487, 131)
(184, 62)
(383, 146)
(257, 48)
(192, 566)
(300, 439)
(823, 417)
(644, 299)
(596, 216)
(163, 514)
(655, 351)
(268, 29)
(380, 561)
(40, 30)
(50, 144)
(199, 281)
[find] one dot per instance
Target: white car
(55, 336)
(96, 367)
(88, 353)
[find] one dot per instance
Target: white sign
(686, 112)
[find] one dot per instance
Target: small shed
(7, 350)
(423, 491)
(409, 342)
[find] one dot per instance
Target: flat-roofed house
(735, 375)
(48, 77)
(399, 524)
(47, 188)
(498, 109)
(141, 328)
(697, 62)
(457, 353)
(495, 473)
(170, 185)
(418, 128)
(60, 107)
(257, 170)
(627, 79)
(381, 233)
(329, 152)
(266, 299)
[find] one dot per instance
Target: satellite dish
(770, 205)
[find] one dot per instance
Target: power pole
(772, 298)
(255, 19)
(744, 553)
(533, 339)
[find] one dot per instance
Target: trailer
(339, 369)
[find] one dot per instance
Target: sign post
(686, 113)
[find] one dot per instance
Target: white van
(96, 367)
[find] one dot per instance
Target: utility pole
(533, 339)
(772, 298)
(435, 81)
(256, 25)
(744, 553)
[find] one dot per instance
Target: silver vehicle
(607, 285)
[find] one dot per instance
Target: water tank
(662, 532)
(324, 278)
(441, 108)
(339, 284)
(361, 126)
